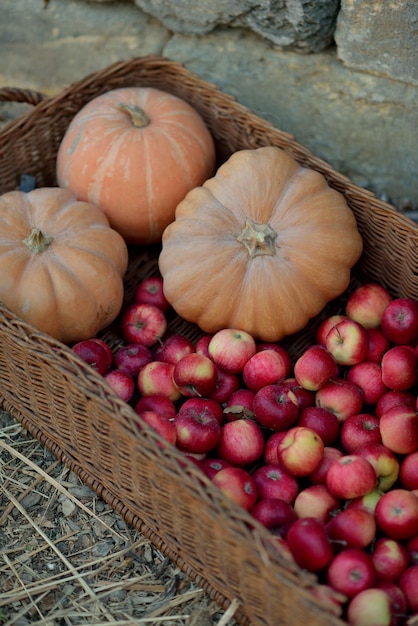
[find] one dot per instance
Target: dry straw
(67, 557)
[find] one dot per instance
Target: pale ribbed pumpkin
(135, 152)
(262, 247)
(61, 265)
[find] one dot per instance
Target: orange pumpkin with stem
(135, 152)
(262, 247)
(61, 265)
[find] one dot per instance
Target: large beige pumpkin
(61, 265)
(262, 246)
(135, 152)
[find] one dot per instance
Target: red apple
(107, 349)
(202, 344)
(122, 383)
(367, 502)
(230, 349)
(276, 407)
(304, 397)
(340, 396)
(239, 404)
(273, 481)
(399, 368)
(315, 367)
(396, 514)
(197, 431)
(94, 354)
(132, 357)
(370, 607)
(309, 544)
(265, 345)
(195, 375)
(392, 398)
(143, 323)
(156, 379)
(300, 451)
(351, 571)
(241, 442)
(400, 321)
(408, 471)
(159, 404)
(319, 476)
(242, 397)
(350, 477)
(368, 377)
(378, 344)
(238, 485)
(275, 514)
(348, 342)
(352, 528)
(323, 421)
(316, 501)
(264, 368)
(358, 430)
(367, 303)
(150, 291)
(213, 465)
(226, 385)
(384, 462)
(162, 424)
(399, 429)
(173, 349)
(270, 454)
(412, 547)
(326, 325)
(408, 582)
(390, 558)
(236, 412)
(203, 404)
(397, 601)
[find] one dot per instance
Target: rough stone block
(364, 125)
(303, 25)
(379, 36)
(42, 48)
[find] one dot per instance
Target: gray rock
(296, 25)
(188, 16)
(379, 37)
(42, 48)
(364, 125)
(303, 25)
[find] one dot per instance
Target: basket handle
(14, 94)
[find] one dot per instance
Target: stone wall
(341, 76)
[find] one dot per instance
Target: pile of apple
(323, 451)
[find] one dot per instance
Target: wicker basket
(70, 409)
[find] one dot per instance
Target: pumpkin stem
(139, 118)
(37, 242)
(258, 238)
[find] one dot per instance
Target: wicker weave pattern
(71, 410)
